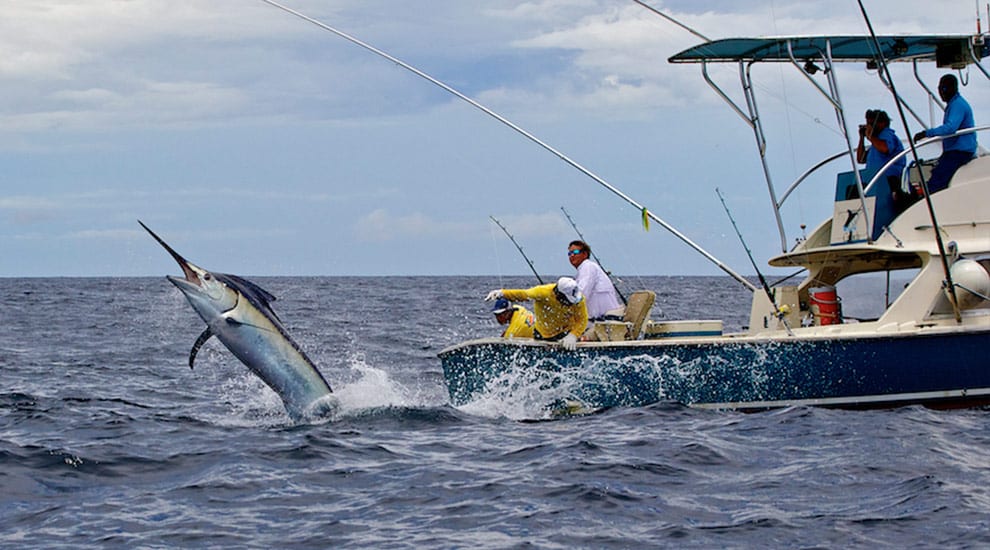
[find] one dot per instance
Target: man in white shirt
(599, 293)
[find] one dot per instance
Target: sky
(257, 143)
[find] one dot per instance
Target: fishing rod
(778, 311)
(519, 248)
(642, 209)
(594, 257)
(914, 152)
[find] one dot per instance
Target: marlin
(239, 314)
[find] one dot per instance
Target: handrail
(807, 173)
(922, 143)
(927, 141)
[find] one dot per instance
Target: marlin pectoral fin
(199, 343)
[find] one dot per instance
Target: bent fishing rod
(594, 257)
(519, 248)
(914, 152)
(645, 212)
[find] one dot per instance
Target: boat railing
(876, 177)
(808, 173)
(907, 151)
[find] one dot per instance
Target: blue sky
(258, 144)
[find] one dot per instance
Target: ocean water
(108, 439)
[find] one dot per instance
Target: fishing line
(769, 92)
(645, 212)
(498, 259)
(787, 116)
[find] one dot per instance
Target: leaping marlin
(238, 313)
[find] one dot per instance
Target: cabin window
(866, 296)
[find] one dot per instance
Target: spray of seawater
(249, 402)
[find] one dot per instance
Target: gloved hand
(493, 295)
(569, 342)
(919, 136)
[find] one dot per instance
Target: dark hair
(581, 246)
(878, 116)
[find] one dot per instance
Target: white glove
(493, 295)
(569, 342)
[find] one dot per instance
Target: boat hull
(947, 369)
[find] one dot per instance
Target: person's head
(577, 252)
(877, 119)
(503, 311)
(948, 86)
(567, 291)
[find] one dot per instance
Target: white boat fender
(972, 282)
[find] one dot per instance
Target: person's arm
(579, 321)
(954, 115)
(516, 294)
(861, 150)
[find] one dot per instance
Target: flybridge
(815, 54)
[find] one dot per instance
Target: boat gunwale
(817, 334)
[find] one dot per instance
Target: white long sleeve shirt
(597, 289)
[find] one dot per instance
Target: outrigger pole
(593, 256)
(924, 184)
(718, 263)
(674, 21)
(519, 248)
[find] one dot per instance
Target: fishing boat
(927, 346)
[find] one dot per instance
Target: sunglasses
(574, 252)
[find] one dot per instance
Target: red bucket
(825, 306)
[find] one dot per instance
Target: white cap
(568, 287)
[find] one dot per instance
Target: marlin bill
(239, 314)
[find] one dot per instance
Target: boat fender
(972, 282)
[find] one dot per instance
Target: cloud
(381, 226)
(106, 64)
(536, 225)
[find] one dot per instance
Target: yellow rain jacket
(552, 317)
(521, 325)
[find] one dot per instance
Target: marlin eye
(207, 276)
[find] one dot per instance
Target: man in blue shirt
(956, 151)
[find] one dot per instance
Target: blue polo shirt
(875, 159)
(958, 116)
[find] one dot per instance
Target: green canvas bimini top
(945, 50)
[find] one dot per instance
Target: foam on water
(247, 401)
(374, 388)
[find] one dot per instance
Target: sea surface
(108, 439)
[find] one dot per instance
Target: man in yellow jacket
(559, 309)
(519, 319)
